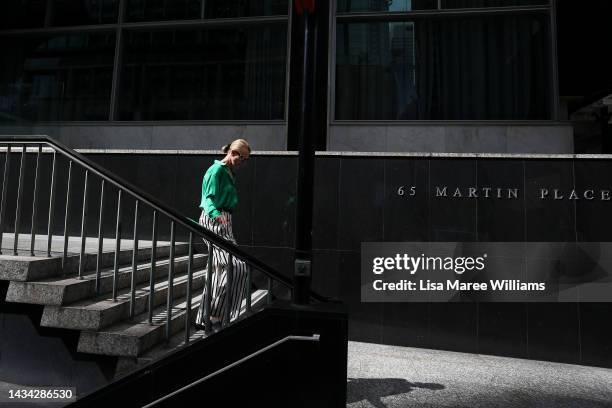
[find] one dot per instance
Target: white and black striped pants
(219, 273)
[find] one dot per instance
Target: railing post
(170, 302)
(35, 203)
(134, 262)
(117, 246)
(208, 292)
(229, 296)
(269, 294)
(248, 291)
(66, 217)
(51, 204)
(19, 199)
(228, 311)
(7, 164)
(189, 280)
(153, 262)
(100, 238)
(83, 228)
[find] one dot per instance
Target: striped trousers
(219, 272)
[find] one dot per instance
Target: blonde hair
(236, 145)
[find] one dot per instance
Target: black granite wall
(356, 200)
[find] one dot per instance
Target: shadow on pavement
(373, 389)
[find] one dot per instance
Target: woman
(219, 199)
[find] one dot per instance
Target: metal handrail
(149, 200)
(230, 307)
(314, 337)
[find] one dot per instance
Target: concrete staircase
(104, 324)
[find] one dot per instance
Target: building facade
(407, 93)
(392, 76)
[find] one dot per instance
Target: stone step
(24, 267)
(131, 339)
(126, 365)
(57, 292)
(96, 314)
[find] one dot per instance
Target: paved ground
(382, 376)
(388, 376)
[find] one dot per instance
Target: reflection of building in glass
(216, 74)
(364, 5)
(385, 63)
(463, 68)
(403, 67)
(383, 5)
(364, 58)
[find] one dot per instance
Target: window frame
(121, 26)
(410, 16)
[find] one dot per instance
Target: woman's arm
(210, 189)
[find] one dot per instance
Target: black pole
(304, 15)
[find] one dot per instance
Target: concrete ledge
(25, 268)
(128, 364)
(97, 314)
(453, 137)
(264, 135)
(131, 339)
(66, 290)
(429, 155)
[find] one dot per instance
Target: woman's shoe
(213, 321)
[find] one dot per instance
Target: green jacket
(218, 190)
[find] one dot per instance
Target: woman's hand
(222, 219)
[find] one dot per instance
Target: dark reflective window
(218, 74)
(245, 8)
(474, 68)
(60, 77)
(22, 13)
(490, 3)
(344, 6)
(82, 12)
(151, 10)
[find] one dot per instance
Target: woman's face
(239, 157)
